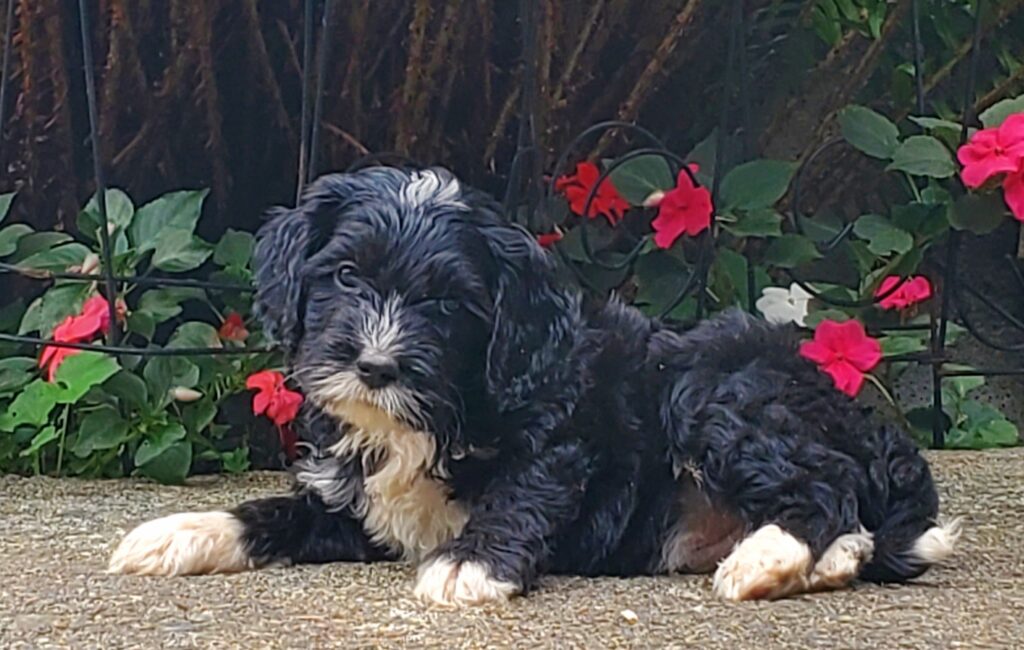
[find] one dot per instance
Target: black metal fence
(526, 191)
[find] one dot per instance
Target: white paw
(188, 543)
(443, 581)
(768, 564)
(842, 560)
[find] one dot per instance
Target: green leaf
(179, 250)
(161, 373)
(120, 211)
(705, 156)
(5, 204)
(898, 345)
(790, 251)
(142, 323)
(882, 236)
(129, 388)
(177, 211)
(80, 372)
(198, 415)
(15, 372)
(999, 111)
(38, 242)
(923, 155)
(659, 276)
(172, 466)
(32, 406)
(961, 386)
(869, 131)
(756, 184)
(54, 306)
(10, 236)
(99, 430)
(729, 274)
(164, 303)
(195, 334)
(977, 213)
(757, 223)
(158, 440)
(57, 259)
(235, 462)
(40, 440)
(945, 130)
(235, 248)
(637, 178)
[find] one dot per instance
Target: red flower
(911, 292)
(93, 319)
(845, 352)
(577, 188)
(991, 152)
(272, 398)
(278, 403)
(233, 329)
(548, 240)
(685, 209)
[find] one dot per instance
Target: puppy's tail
(902, 511)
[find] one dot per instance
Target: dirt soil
(56, 536)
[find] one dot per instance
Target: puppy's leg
(508, 534)
(281, 530)
(797, 496)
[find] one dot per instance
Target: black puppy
(490, 424)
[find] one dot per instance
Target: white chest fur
(405, 508)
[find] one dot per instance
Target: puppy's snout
(377, 371)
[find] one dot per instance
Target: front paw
(448, 582)
(188, 543)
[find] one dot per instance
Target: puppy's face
(395, 321)
(405, 300)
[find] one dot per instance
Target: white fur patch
(187, 543)
(382, 330)
(427, 187)
(768, 564)
(841, 562)
(937, 543)
(444, 582)
(405, 508)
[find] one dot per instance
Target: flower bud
(90, 264)
(111, 228)
(654, 198)
(182, 394)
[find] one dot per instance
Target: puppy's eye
(448, 306)
(346, 275)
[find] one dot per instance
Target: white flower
(780, 305)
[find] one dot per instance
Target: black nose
(377, 372)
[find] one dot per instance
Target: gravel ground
(56, 536)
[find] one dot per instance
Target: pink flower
(1013, 192)
(577, 188)
(92, 320)
(911, 292)
(686, 209)
(845, 352)
(991, 152)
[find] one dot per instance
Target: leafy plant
(151, 415)
(755, 245)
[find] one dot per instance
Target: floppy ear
(282, 247)
(536, 346)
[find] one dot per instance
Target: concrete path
(55, 537)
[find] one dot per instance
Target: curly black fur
(564, 427)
